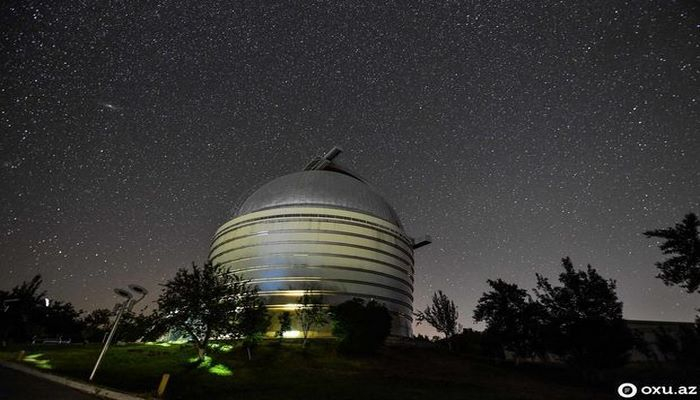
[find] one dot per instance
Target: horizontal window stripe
(336, 219)
(327, 231)
(326, 207)
(313, 242)
(350, 294)
(268, 267)
(285, 307)
(292, 253)
(321, 280)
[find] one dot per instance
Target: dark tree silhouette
(285, 323)
(441, 314)
(253, 323)
(362, 328)
(61, 320)
(96, 325)
(310, 313)
(512, 319)
(583, 323)
(139, 327)
(205, 302)
(682, 242)
(26, 316)
(20, 319)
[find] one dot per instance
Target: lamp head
(123, 293)
(138, 289)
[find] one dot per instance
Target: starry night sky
(515, 133)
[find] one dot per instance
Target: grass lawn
(286, 371)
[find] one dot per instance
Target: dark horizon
(513, 136)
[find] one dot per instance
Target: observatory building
(323, 231)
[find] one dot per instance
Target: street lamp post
(127, 305)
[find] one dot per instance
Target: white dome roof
(320, 188)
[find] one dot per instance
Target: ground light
(127, 305)
(37, 360)
(208, 364)
(291, 334)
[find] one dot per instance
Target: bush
(361, 328)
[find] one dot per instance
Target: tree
(253, 324)
(139, 327)
(206, 302)
(26, 315)
(285, 322)
(361, 327)
(61, 320)
(512, 319)
(682, 242)
(21, 313)
(441, 314)
(583, 319)
(96, 325)
(310, 313)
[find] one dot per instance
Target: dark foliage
(96, 325)
(207, 302)
(512, 318)
(362, 328)
(61, 320)
(468, 342)
(682, 242)
(580, 322)
(254, 321)
(21, 316)
(310, 313)
(583, 319)
(28, 318)
(441, 314)
(141, 327)
(285, 323)
(25, 315)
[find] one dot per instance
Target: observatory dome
(322, 232)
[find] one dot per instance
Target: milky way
(514, 134)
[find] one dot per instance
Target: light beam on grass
(37, 362)
(221, 370)
(217, 369)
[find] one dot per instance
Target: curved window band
(311, 242)
(350, 294)
(323, 206)
(321, 280)
(285, 307)
(267, 267)
(315, 218)
(292, 253)
(328, 231)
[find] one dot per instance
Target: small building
(658, 336)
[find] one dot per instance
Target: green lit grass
(286, 371)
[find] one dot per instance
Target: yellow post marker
(20, 357)
(163, 384)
